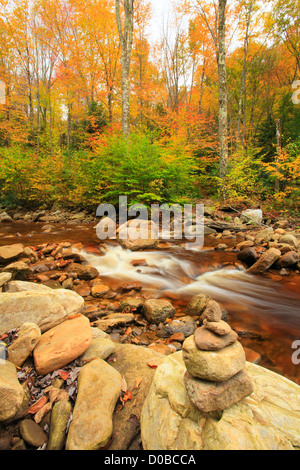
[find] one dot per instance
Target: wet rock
(99, 387)
(288, 260)
(85, 273)
(128, 286)
(5, 218)
(11, 391)
(32, 433)
(99, 290)
(220, 328)
(28, 337)
(147, 230)
(131, 304)
(10, 253)
(185, 325)
(197, 305)
(157, 311)
(216, 366)
(60, 416)
(265, 261)
(248, 256)
(46, 309)
(68, 284)
(62, 344)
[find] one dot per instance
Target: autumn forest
(93, 107)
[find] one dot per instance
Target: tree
(125, 29)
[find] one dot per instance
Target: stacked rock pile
(215, 360)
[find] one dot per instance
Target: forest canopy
(71, 71)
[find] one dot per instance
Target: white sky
(162, 10)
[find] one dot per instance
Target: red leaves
(38, 405)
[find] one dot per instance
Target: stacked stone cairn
(215, 361)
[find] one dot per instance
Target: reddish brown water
(265, 310)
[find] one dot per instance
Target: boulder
(46, 309)
(269, 419)
(265, 261)
(11, 391)
(62, 344)
(19, 270)
(99, 387)
(5, 218)
(10, 253)
(288, 260)
(130, 232)
(157, 311)
(28, 337)
(252, 215)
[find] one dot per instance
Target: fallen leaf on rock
(152, 364)
(127, 396)
(56, 394)
(138, 382)
(38, 405)
(42, 412)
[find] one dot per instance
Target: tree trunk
(126, 40)
(223, 99)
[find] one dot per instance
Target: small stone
(157, 311)
(32, 433)
(220, 328)
(60, 416)
(99, 290)
(213, 312)
(19, 445)
(197, 305)
(217, 396)
(206, 340)
(28, 337)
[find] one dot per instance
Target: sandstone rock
(197, 305)
(248, 256)
(46, 309)
(217, 396)
(220, 328)
(11, 391)
(28, 337)
(114, 320)
(215, 366)
(60, 416)
(10, 253)
(252, 215)
(5, 218)
(99, 387)
(32, 433)
(4, 278)
(213, 312)
(157, 311)
(100, 348)
(99, 290)
(185, 325)
(289, 239)
(62, 344)
(132, 363)
(269, 419)
(85, 273)
(288, 260)
(137, 235)
(19, 270)
(131, 304)
(25, 286)
(206, 340)
(265, 261)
